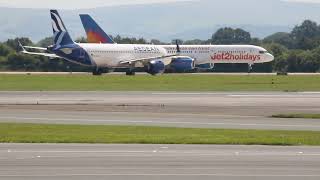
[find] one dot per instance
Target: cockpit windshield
(263, 52)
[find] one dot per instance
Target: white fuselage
(215, 54)
(110, 55)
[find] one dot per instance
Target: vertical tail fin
(61, 35)
(95, 33)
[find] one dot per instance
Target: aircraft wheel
(130, 73)
(97, 72)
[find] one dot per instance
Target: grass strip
(167, 82)
(49, 133)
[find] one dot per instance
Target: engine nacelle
(156, 67)
(182, 64)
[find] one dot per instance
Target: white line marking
(183, 153)
(271, 96)
(166, 122)
(186, 93)
(310, 92)
(186, 174)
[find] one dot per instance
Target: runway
(144, 73)
(204, 110)
(145, 162)
(246, 110)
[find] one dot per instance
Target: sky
(303, 1)
(83, 4)
(76, 4)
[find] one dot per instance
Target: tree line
(295, 51)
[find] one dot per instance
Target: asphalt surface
(139, 162)
(214, 110)
(157, 162)
(143, 73)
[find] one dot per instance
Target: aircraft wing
(24, 51)
(146, 60)
(42, 54)
(37, 48)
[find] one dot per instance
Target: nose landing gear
(249, 68)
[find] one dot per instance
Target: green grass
(304, 116)
(158, 83)
(44, 133)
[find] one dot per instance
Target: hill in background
(185, 20)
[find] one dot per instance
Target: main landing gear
(97, 72)
(130, 72)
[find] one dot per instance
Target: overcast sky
(80, 4)
(76, 4)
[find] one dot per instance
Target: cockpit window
(263, 52)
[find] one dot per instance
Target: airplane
(100, 56)
(205, 56)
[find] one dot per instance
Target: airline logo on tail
(61, 36)
(57, 23)
(95, 34)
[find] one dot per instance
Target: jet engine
(156, 67)
(182, 64)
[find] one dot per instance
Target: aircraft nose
(270, 57)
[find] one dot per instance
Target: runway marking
(188, 93)
(167, 122)
(315, 92)
(175, 153)
(273, 95)
(172, 168)
(168, 115)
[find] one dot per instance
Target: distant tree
(156, 42)
(174, 41)
(117, 39)
(282, 38)
(308, 62)
(301, 61)
(22, 62)
(4, 50)
(306, 36)
(276, 49)
(280, 64)
(141, 41)
(231, 36)
(256, 41)
(195, 42)
(14, 44)
(45, 42)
